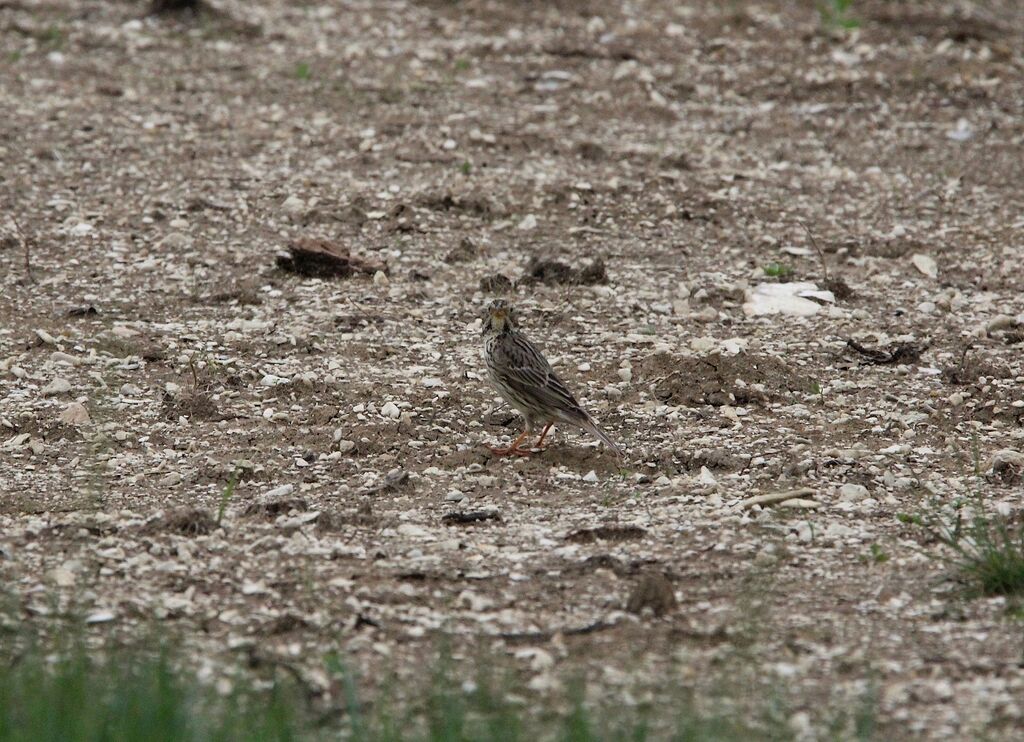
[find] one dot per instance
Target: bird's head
(498, 317)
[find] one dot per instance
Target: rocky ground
(286, 464)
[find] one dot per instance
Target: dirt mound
(554, 272)
(317, 258)
(606, 533)
(717, 379)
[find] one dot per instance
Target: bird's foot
(510, 451)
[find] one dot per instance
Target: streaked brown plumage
(525, 379)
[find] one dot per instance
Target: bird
(523, 377)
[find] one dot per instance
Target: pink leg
(514, 449)
(541, 439)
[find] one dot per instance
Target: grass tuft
(986, 551)
(88, 687)
(777, 270)
(126, 694)
(836, 14)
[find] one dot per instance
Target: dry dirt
(153, 168)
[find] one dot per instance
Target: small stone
(75, 414)
(774, 498)
(707, 314)
(293, 205)
(56, 387)
(706, 477)
(474, 601)
(626, 374)
(528, 222)
(100, 617)
(703, 344)
(654, 592)
(926, 264)
(539, 659)
(124, 332)
(1006, 466)
(254, 588)
(390, 409)
(175, 241)
(61, 577)
(171, 480)
(411, 529)
(799, 503)
(962, 132)
(346, 446)
(272, 380)
(999, 323)
(850, 492)
(65, 359)
(590, 476)
(454, 496)
(130, 390)
(283, 491)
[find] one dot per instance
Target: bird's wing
(529, 374)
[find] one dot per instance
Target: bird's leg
(541, 439)
(514, 449)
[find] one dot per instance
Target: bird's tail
(595, 430)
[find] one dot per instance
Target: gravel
(158, 168)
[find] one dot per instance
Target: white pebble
(75, 414)
(283, 491)
(57, 386)
(293, 205)
(100, 617)
(706, 477)
(390, 409)
(850, 492)
(925, 264)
